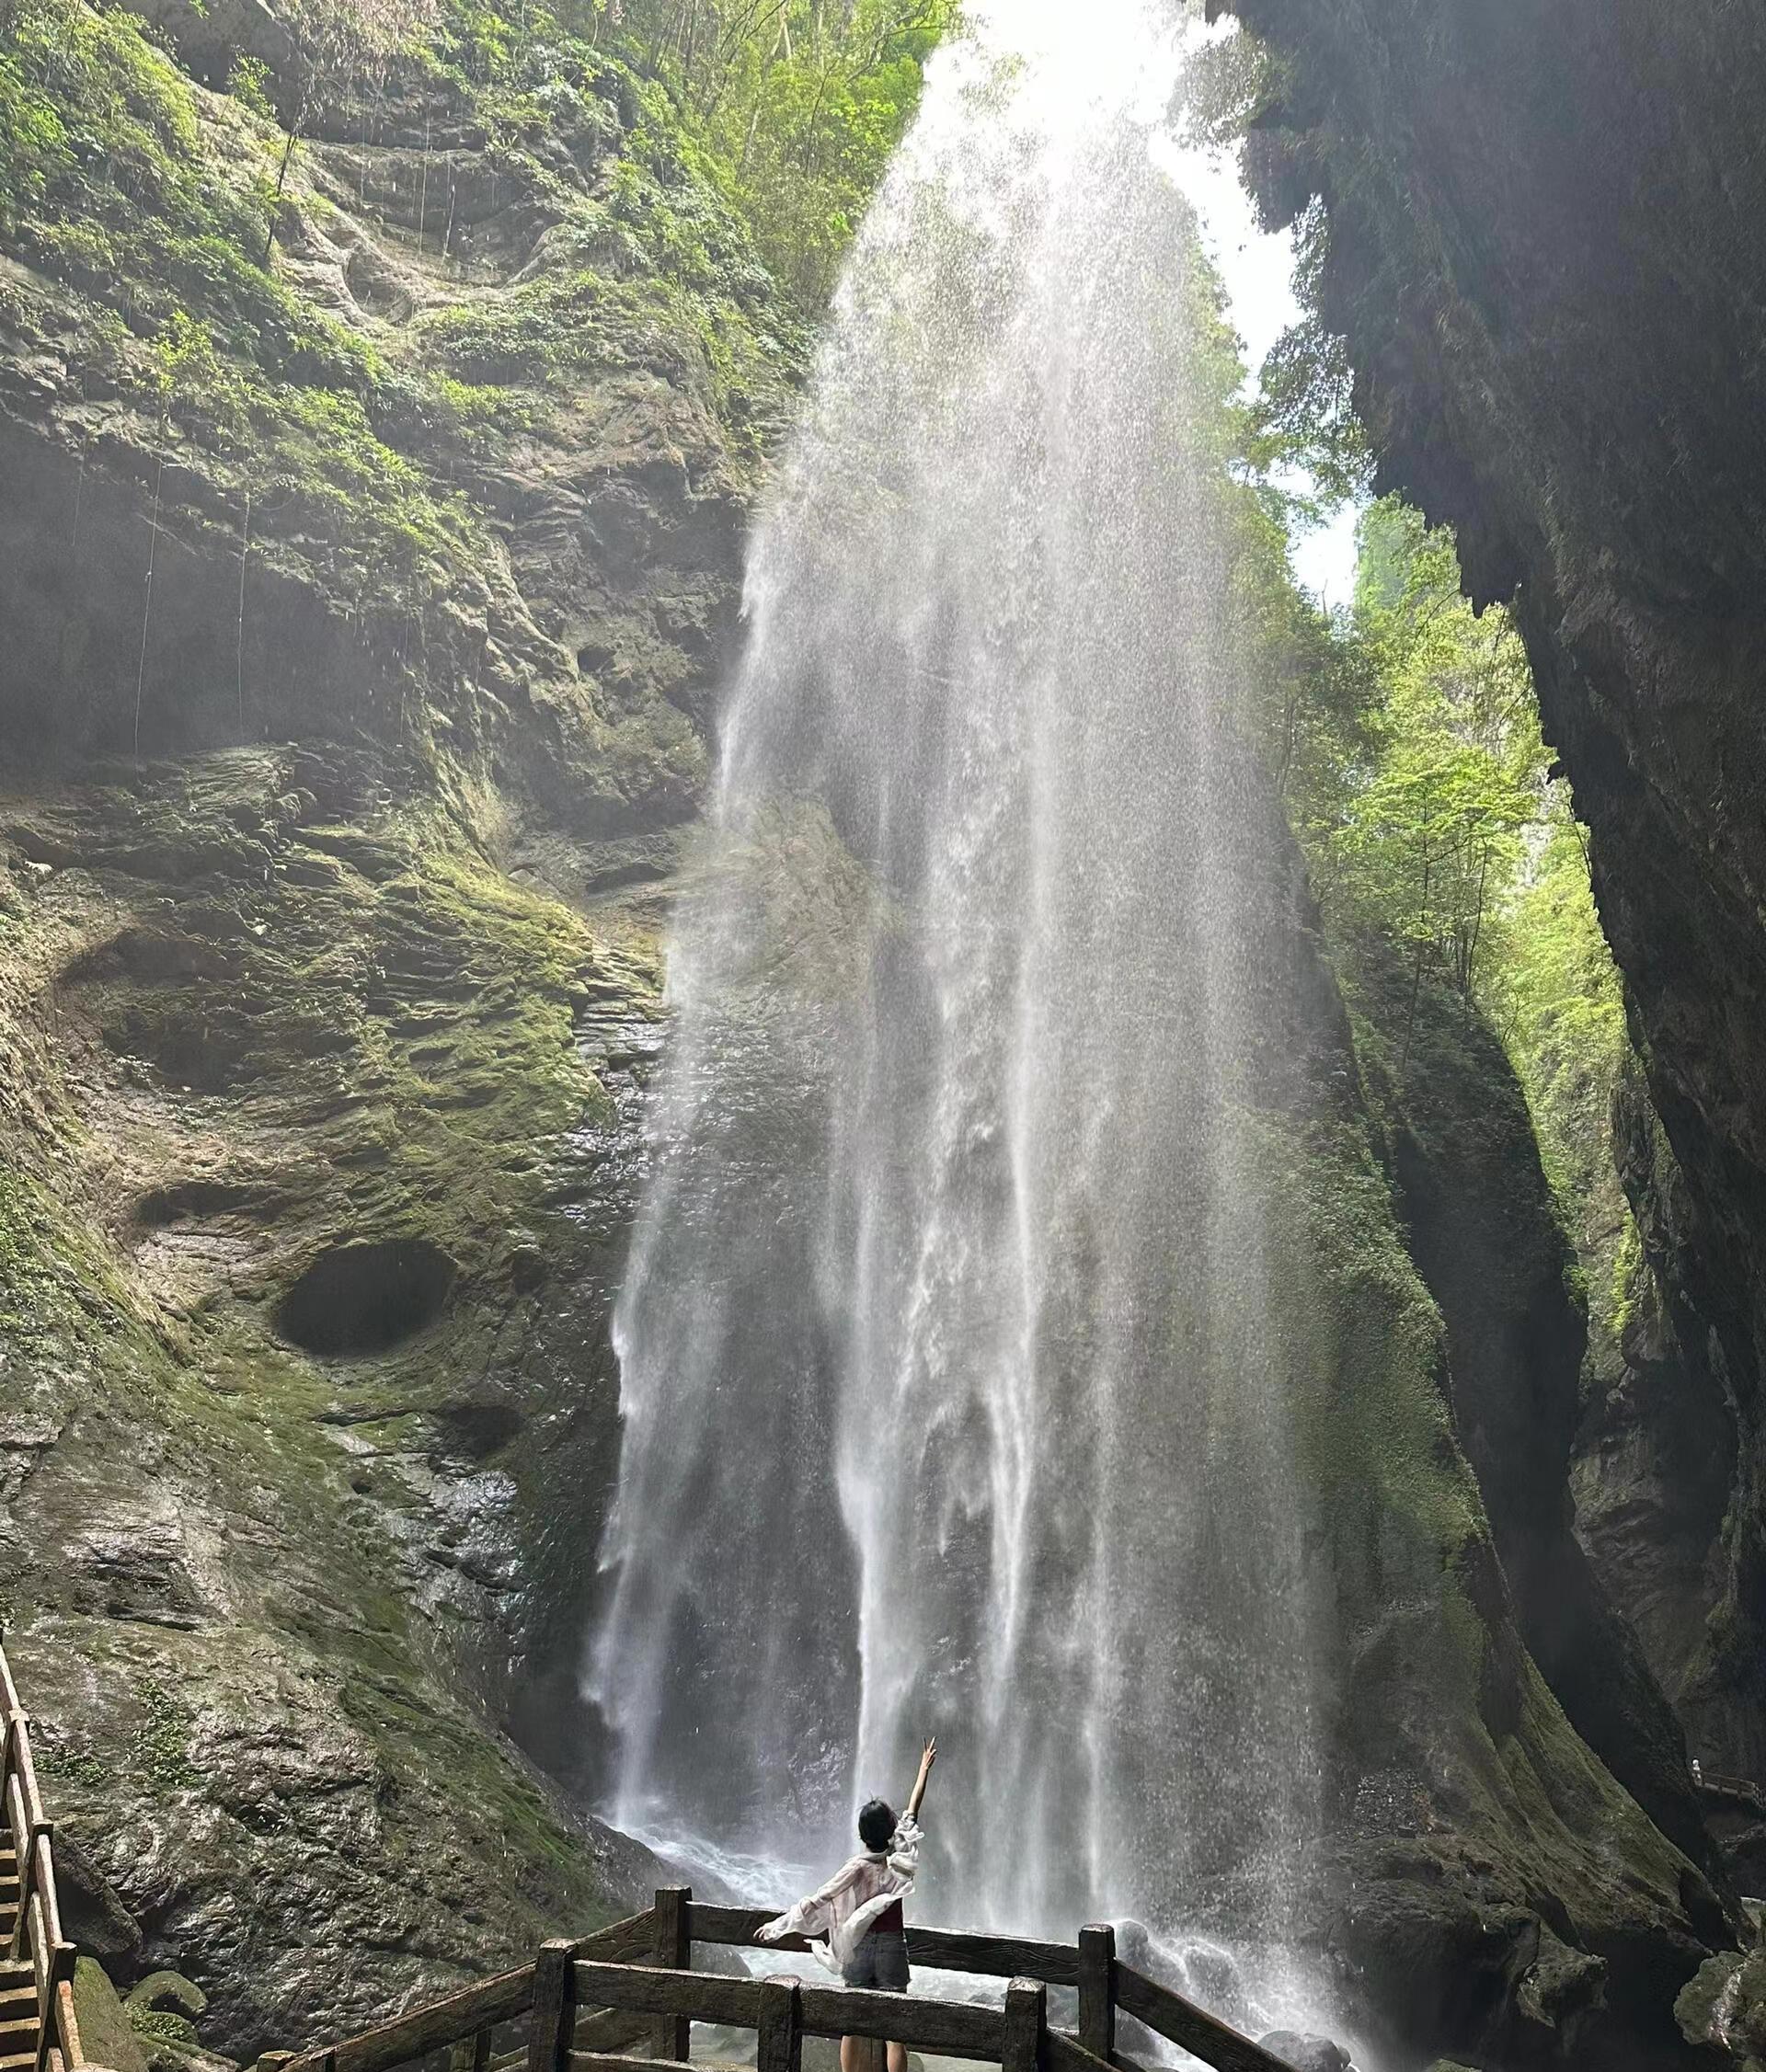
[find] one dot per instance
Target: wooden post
(1027, 2019)
(62, 1958)
(672, 1950)
(549, 2033)
(481, 2043)
(1098, 1990)
(779, 2047)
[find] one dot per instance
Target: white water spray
(948, 1392)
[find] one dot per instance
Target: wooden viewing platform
(625, 1999)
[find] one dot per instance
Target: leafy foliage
(800, 104)
(1304, 414)
(1561, 1011)
(789, 109)
(337, 46)
(1405, 740)
(1430, 846)
(1405, 736)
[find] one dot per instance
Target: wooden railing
(473, 2017)
(37, 1938)
(1731, 1791)
(584, 2005)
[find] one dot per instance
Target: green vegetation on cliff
(1405, 735)
(444, 483)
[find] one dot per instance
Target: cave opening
(366, 1296)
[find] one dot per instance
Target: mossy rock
(1725, 2004)
(164, 2007)
(107, 2035)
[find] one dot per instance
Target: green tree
(798, 104)
(1430, 839)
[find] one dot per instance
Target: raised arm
(928, 1757)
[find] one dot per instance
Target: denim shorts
(880, 1962)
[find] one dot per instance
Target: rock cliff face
(1656, 1453)
(360, 628)
(1540, 245)
(1484, 1232)
(348, 718)
(1564, 1975)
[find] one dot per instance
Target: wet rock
(1488, 1239)
(136, 1569)
(92, 1912)
(107, 2035)
(1528, 381)
(1724, 2005)
(168, 1992)
(1304, 2053)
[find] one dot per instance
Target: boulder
(107, 2035)
(1304, 2053)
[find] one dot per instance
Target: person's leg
(898, 2058)
(852, 2054)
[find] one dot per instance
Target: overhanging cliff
(1541, 243)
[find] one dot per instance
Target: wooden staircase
(20, 2029)
(38, 2029)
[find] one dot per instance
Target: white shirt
(837, 1918)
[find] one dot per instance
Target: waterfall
(951, 1397)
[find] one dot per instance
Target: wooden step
(16, 2036)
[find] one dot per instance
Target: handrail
(1191, 2028)
(465, 2016)
(641, 1970)
(1713, 1785)
(37, 1937)
(983, 1956)
(1111, 1983)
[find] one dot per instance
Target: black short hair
(876, 1824)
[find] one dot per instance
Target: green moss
(160, 1745)
(145, 199)
(1626, 1276)
(160, 2025)
(56, 1281)
(1364, 1343)
(106, 2033)
(79, 1765)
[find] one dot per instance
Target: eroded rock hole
(480, 1429)
(366, 1297)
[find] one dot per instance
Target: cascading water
(948, 1387)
